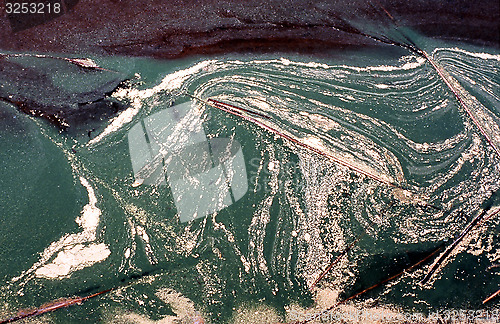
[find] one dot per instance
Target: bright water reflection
(205, 176)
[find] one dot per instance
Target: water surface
(76, 220)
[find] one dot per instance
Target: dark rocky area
(185, 27)
(64, 93)
(171, 29)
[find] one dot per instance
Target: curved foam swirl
(399, 121)
(486, 121)
(394, 119)
(349, 110)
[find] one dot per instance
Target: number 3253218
(32, 8)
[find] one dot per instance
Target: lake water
(192, 211)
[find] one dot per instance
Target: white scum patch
(73, 251)
(170, 82)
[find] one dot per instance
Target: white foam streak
(406, 66)
(170, 82)
(484, 56)
(125, 117)
(73, 251)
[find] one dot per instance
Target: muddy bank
(177, 28)
(67, 93)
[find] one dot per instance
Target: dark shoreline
(189, 28)
(184, 28)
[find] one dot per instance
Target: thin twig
(50, 307)
(491, 297)
(414, 48)
(478, 220)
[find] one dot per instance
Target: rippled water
(77, 221)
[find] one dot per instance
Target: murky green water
(78, 218)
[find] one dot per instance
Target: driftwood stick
(52, 306)
(491, 297)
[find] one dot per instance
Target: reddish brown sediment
(178, 28)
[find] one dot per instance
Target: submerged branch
(479, 116)
(479, 219)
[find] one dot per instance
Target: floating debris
(492, 296)
(240, 112)
(479, 219)
(419, 263)
(52, 306)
